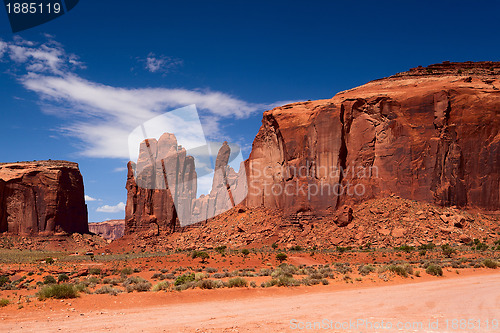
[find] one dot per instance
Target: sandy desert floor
(469, 303)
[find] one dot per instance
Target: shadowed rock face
(42, 198)
(433, 138)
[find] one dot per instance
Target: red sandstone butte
(430, 134)
(42, 198)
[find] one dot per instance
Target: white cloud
(120, 207)
(160, 63)
(102, 116)
(49, 57)
(120, 169)
(89, 199)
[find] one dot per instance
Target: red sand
(474, 295)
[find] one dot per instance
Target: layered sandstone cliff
(428, 134)
(42, 198)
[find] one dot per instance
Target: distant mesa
(42, 198)
(109, 230)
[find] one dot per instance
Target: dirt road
(395, 308)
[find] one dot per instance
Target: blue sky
(73, 86)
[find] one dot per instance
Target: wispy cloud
(49, 57)
(120, 207)
(102, 116)
(160, 63)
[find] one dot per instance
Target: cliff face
(112, 229)
(427, 135)
(42, 197)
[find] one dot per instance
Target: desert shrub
(49, 260)
(221, 249)
(401, 269)
(187, 285)
(325, 282)
(342, 249)
(136, 283)
(81, 287)
(94, 271)
(296, 248)
(307, 281)
(265, 272)
(248, 272)
(434, 269)
(422, 252)
(210, 270)
(428, 246)
(91, 281)
(490, 263)
(49, 279)
(284, 281)
(404, 248)
(57, 291)
(200, 254)
(210, 284)
(219, 275)
(184, 278)
(62, 278)
(112, 281)
(245, 252)
(4, 302)
(274, 246)
(284, 270)
(342, 268)
(237, 282)
(126, 271)
(108, 290)
(281, 257)
(366, 269)
(447, 250)
(158, 276)
(163, 285)
(170, 276)
(4, 279)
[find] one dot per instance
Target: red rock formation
(42, 198)
(112, 229)
(162, 187)
(429, 134)
(164, 176)
(433, 138)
